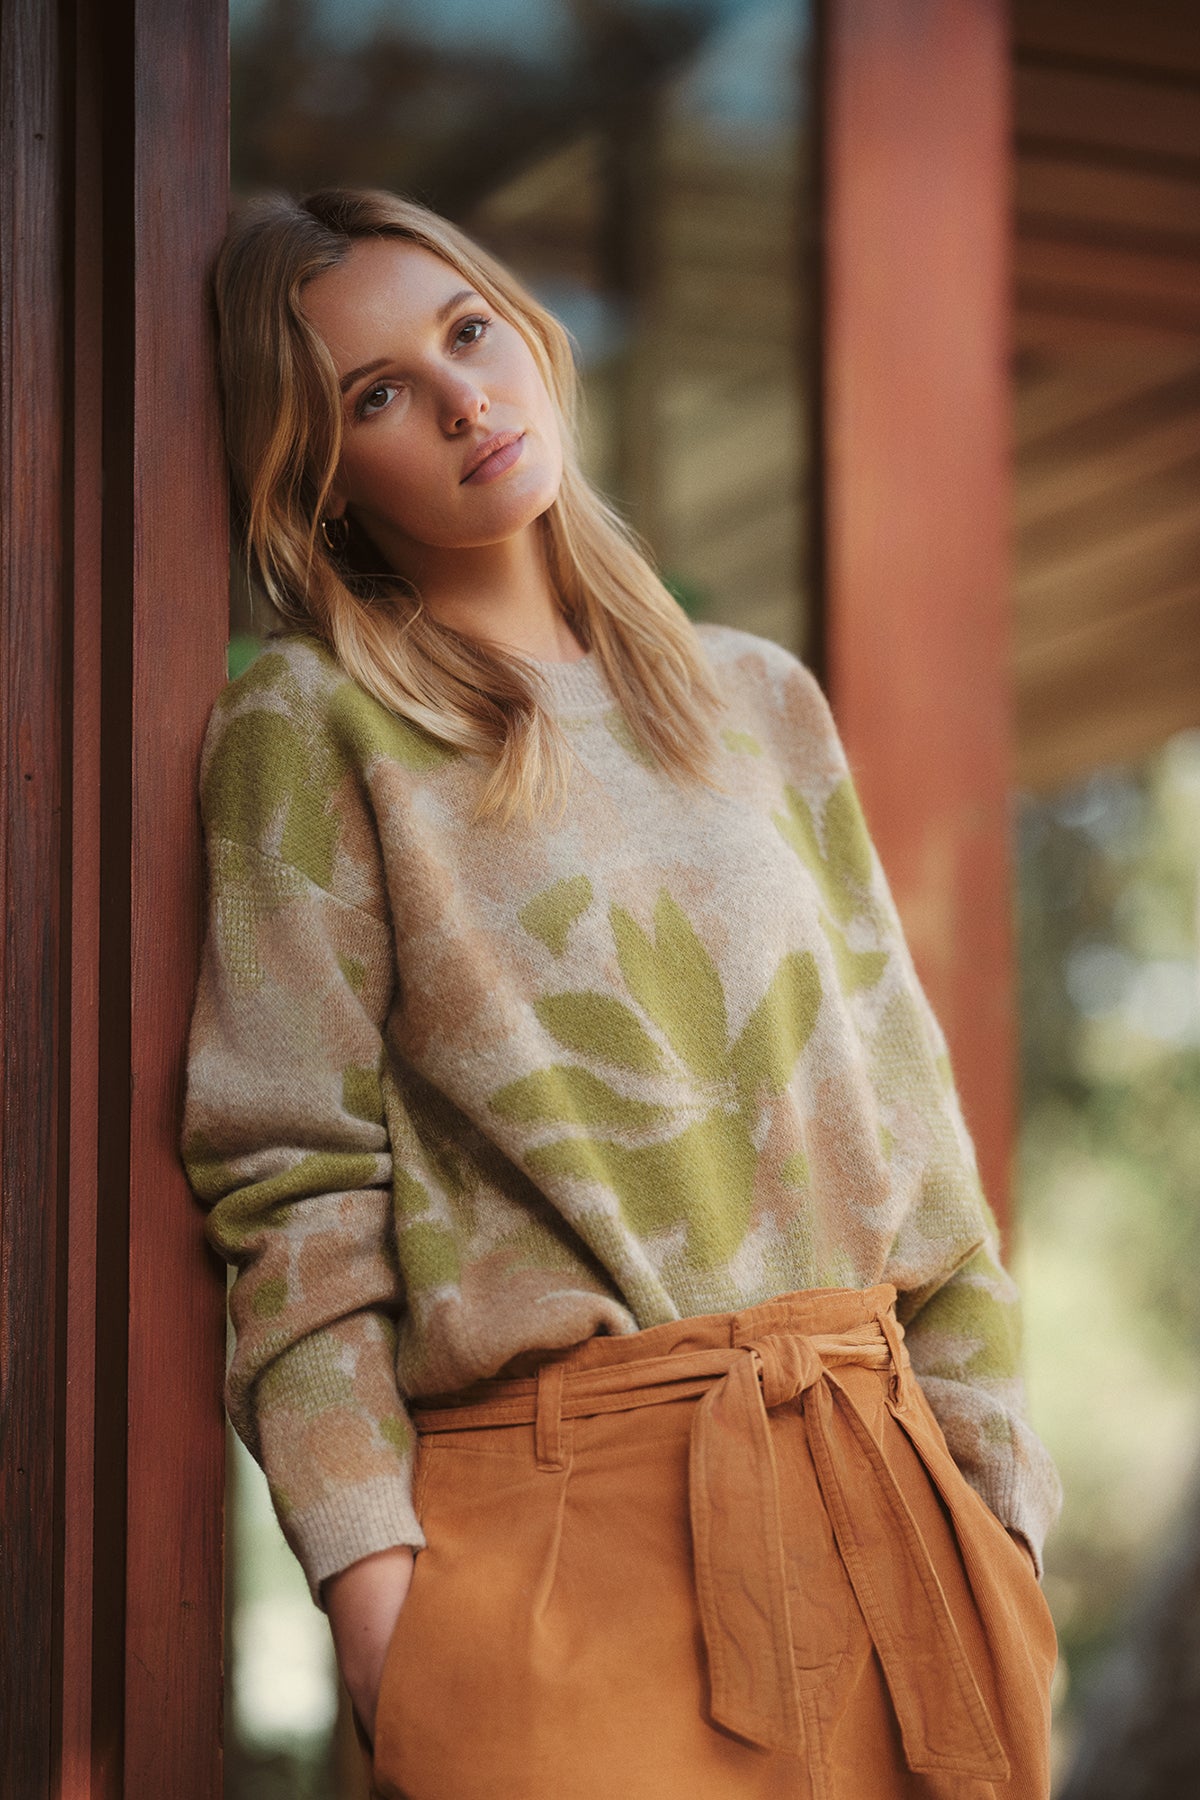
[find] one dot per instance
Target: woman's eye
(375, 399)
(478, 325)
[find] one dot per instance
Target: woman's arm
(958, 1304)
(284, 1135)
(962, 1321)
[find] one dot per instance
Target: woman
(619, 1320)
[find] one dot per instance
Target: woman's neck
(499, 593)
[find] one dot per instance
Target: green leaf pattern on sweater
(842, 863)
(696, 1161)
(549, 916)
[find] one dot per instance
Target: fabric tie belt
(747, 1612)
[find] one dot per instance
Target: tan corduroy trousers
(728, 1557)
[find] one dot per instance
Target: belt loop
(547, 1430)
(893, 1331)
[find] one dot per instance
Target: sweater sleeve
(959, 1305)
(284, 1136)
(963, 1325)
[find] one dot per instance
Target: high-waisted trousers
(725, 1557)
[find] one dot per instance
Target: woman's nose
(462, 403)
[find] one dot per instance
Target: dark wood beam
(33, 185)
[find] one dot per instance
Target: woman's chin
(500, 523)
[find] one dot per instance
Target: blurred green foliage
(1108, 1177)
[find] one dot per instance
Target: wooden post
(916, 446)
(113, 620)
(165, 578)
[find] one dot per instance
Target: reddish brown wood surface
(173, 541)
(917, 498)
(83, 977)
(31, 567)
(113, 614)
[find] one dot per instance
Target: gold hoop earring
(336, 533)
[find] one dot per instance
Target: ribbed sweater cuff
(353, 1523)
(1022, 1504)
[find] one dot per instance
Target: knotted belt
(746, 1611)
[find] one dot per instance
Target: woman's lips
(497, 462)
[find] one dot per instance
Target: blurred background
(649, 168)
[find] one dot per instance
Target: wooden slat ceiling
(1107, 265)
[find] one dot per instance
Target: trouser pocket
(454, 1685)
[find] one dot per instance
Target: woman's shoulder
(296, 701)
(292, 673)
(772, 689)
(291, 748)
(279, 702)
(267, 756)
(746, 658)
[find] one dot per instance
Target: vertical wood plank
(31, 572)
(112, 26)
(82, 746)
(177, 551)
(916, 443)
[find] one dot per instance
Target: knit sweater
(459, 1090)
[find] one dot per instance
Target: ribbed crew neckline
(578, 686)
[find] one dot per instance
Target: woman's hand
(363, 1603)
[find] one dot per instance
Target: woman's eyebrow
(447, 306)
(348, 380)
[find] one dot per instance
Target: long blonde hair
(283, 427)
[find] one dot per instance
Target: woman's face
(430, 374)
